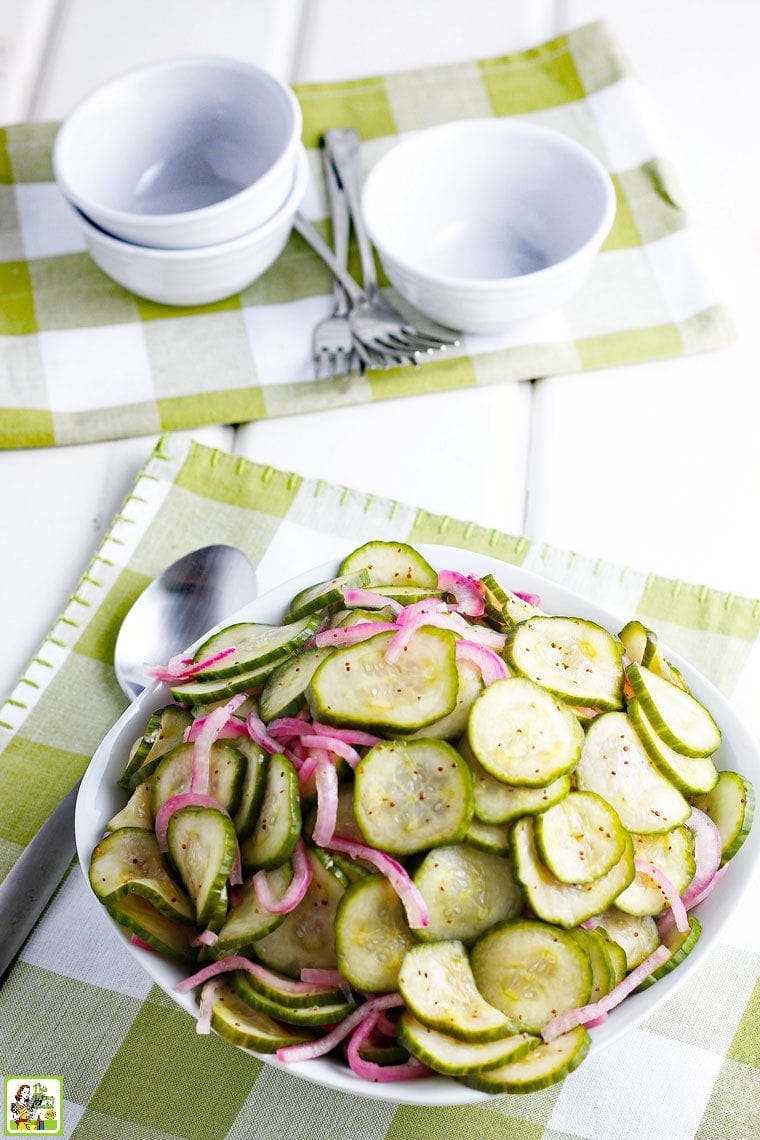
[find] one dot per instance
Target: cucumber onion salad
(423, 824)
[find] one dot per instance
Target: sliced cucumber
(412, 795)
(284, 692)
(615, 765)
(202, 847)
(438, 986)
(466, 890)
(391, 564)
(252, 786)
(452, 1057)
(172, 777)
(326, 597)
(675, 715)
(488, 836)
(136, 812)
(673, 853)
(616, 953)
(576, 659)
(278, 825)
(497, 802)
(247, 919)
(580, 838)
(503, 609)
(307, 936)
(469, 688)
(545, 1065)
(680, 943)
(531, 971)
(306, 1013)
(166, 728)
(255, 644)
(140, 917)
(372, 935)
(603, 974)
(280, 988)
(566, 904)
(357, 686)
(238, 1022)
(523, 735)
(128, 861)
(641, 646)
(690, 774)
(731, 806)
(208, 692)
(636, 934)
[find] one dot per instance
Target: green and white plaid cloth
(82, 359)
(77, 1005)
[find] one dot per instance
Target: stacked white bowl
(185, 176)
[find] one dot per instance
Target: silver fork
(333, 348)
(376, 324)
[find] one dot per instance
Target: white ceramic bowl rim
(497, 284)
(157, 221)
(220, 249)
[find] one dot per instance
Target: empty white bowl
(202, 275)
(181, 153)
(482, 224)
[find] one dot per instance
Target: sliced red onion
(175, 803)
(205, 1007)
(212, 725)
(591, 923)
(531, 599)
(585, 1014)
(288, 727)
(326, 779)
(349, 735)
(468, 591)
(398, 644)
(206, 938)
(405, 888)
(344, 635)
(307, 769)
(318, 976)
(666, 885)
(707, 855)
(370, 1070)
(181, 668)
(492, 667)
(238, 962)
(259, 734)
(136, 940)
(369, 600)
(317, 1048)
(200, 724)
(296, 889)
(410, 614)
(332, 744)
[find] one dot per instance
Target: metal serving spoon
(189, 597)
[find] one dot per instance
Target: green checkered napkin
(77, 1005)
(82, 359)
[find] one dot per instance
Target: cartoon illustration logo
(33, 1104)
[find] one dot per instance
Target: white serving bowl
(201, 275)
(485, 223)
(181, 153)
(100, 798)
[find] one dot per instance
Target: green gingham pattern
(81, 359)
(76, 1004)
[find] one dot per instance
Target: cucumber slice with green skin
(202, 691)
(247, 919)
(128, 861)
(391, 564)
(326, 597)
(412, 795)
(731, 807)
(358, 687)
(565, 904)
(603, 974)
(255, 645)
(438, 986)
(372, 935)
(466, 890)
(454, 1058)
(641, 646)
(616, 953)
(522, 734)
(531, 971)
(166, 728)
(307, 936)
(201, 845)
(406, 595)
(306, 1014)
(580, 838)
(675, 715)
(488, 836)
(497, 802)
(174, 772)
(238, 1022)
(280, 989)
(137, 811)
(284, 692)
(673, 853)
(615, 765)
(138, 916)
(543, 1066)
(451, 727)
(503, 609)
(637, 935)
(573, 658)
(278, 825)
(252, 786)
(680, 943)
(690, 774)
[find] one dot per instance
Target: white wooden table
(632, 465)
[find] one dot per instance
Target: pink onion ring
(652, 871)
(370, 1070)
(205, 1007)
(405, 888)
(296, 889)
(468, 592)
(238, 962)
(311, 1049)
(180, 668)
(176, 803)
(344, 635)
(326, 779)
(369, 600)
(492, 667)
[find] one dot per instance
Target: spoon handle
(31, 882)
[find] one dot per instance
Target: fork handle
(342, 146)
(313, 238)
(341, 228)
